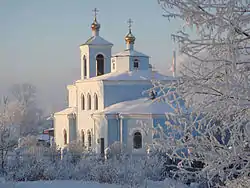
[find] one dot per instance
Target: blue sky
(39, 40)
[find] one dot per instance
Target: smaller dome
(130, 38)
(95, 25)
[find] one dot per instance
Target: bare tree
(26, 111)
(214, 82)
(8, 133)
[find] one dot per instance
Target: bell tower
(95, 53)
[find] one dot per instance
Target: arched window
(83, 102)
(113, 64)
(137, 140)
(96, 102)
(136, 63)
(83, 138)
(89, 138)
(84, 66)
(99, 64)
(89, 102)
(65, 137)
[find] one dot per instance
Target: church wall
(143, 63)
(113, 131)
(121, 63)
(71, 95)
(124, 130)
(123, 92)
(144, 127)
(84, 52)
(72, 129)
(93, 52)
(84, 120)
(60, 123)
(127, 63)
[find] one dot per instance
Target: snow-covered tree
(215, 83)
(27, 113)
(8, 140)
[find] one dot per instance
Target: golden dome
(95, 26)
(130, 38)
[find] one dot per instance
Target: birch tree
(215, 83)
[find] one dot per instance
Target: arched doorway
(99, 64)
(137, 140)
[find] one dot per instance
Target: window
(65, 136)
(89, 138)
(113, 64)
(83, 102)
(96, 102)
(89, 102)
(137, 140)
(84, 66)
(99, 64)
(136, 63)
(83, 138)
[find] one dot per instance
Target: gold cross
(95, 12)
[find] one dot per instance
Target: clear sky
(39, 40)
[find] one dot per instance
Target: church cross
(130, 23)
(95, 12)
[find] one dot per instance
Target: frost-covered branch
(215, 84)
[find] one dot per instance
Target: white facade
(107, 80)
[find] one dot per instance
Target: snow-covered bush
(33, 162)
(115, 151)
(105, 173)
(74, 152)
(214, 82)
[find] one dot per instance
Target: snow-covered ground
(81, 184)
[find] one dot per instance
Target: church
(108, 103)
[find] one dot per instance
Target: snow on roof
(132, 53)
(49, 129)
(49, 118)
(96, 40)
(66, 111)
(140, 106)
(134, 76)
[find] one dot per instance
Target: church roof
(133, 76)
(129, 52)
(96, 40)
(66, 111)
(142, 106)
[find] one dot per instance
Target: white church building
(108, 102)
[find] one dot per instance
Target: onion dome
(130, 38)
(95, 26)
